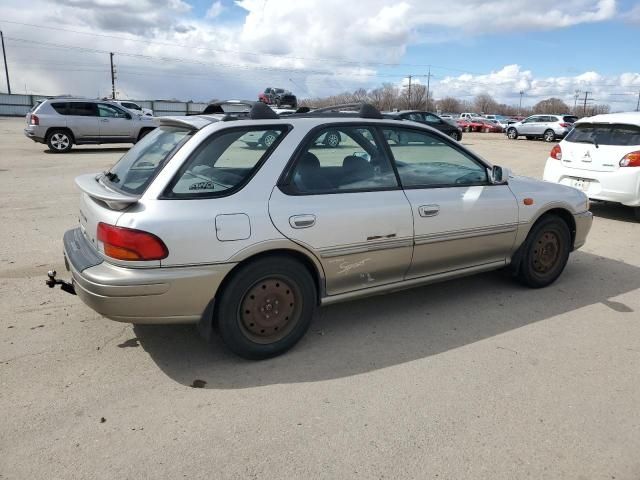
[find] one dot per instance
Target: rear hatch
(105, 196)
(599, 147)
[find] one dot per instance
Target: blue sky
(198, 48)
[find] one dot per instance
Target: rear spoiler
(92, 185)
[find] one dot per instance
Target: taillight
(130, 244)
(556, 153)
(565, 125)
(631, 160)
(34, 120)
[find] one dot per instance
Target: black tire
(455, 135)
(59, 140)
(549, 136)
(636, 211)
(268, 138)
(241, 309)
(545, 252)
(332, 139)
(512, 134)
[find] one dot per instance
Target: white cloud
(214, 10)
(302, 37)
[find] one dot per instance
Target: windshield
(605, 134)
(135, 170)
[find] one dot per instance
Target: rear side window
(135, 170)
(60, 108)
(82, 109)
(605, 134)
(225, 162)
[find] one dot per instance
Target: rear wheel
(269, 138)
(549, 136)
(636, 210)
(512, 134)
(266, 307)
(455, 136)
(545, 252)
(59, 141)
(332, 139)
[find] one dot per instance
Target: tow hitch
(65, 286)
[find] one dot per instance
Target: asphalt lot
(473, 378)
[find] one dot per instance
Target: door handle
(104, 119)
(428, 210)
(302, 221)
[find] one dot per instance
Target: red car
(489, 126)
(470, 125)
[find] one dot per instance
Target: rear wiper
(592, 142)
(112, 177)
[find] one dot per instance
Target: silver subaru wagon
(197, 224)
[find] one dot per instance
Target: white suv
(601, 157)
(548, 127)
(192, 225)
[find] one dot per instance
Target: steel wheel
(333, 139)
(546, 252)
(269, 310)
(512, 134)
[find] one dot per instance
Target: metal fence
(19, 105)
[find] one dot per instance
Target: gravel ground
(473, 378)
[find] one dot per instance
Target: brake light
(631, 160)
(34, 120)
(565, 125)
(130, 244)
(556, 152)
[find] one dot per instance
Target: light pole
(520, 104)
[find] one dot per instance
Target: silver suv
(191, 225)
(548, 127)
(63, 122)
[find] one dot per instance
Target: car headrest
(353, 162)
(309, 160)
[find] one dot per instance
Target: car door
(532, 126)
(461, 220)
(115, 123)
(344, 204)
(82, 119)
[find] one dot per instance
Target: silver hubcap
(333, 140)
(549, 137)
(268, 140)
(59, 141)
(512, 134)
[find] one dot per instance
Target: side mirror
(499, 175)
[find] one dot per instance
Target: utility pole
(113, 77)
(428, 83)
(409, 94)
(584, 108)
(575, 101)
(520, 104)
(6, 68)
(638, 104)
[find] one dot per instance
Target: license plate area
(581, 183)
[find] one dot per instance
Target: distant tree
(449, 105)
(551, 105)
(484, 103)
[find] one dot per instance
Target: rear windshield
(570, 118)
(605, 134)
(135, 170)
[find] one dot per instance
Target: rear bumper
(583, 226)
(143, 295)
(34, 135)
(619, 186)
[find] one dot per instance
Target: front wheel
(332, 139)
(636, 210)
(269, 138)
(545, 252)
(512, 134)
(59, 141)
(455, 136)
(266, 307)
(549, 136)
